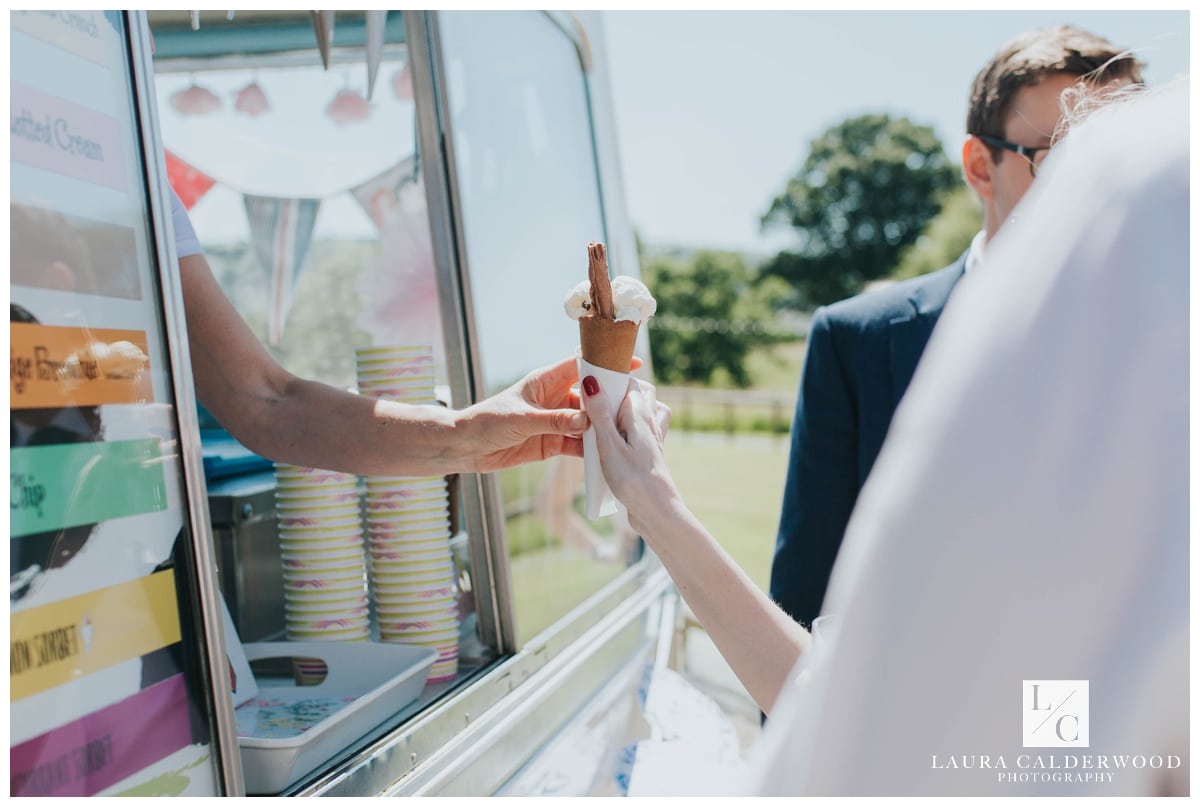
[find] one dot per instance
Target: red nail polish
(590, 385)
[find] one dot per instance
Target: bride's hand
(631, 450)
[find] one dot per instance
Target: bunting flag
(379, 195)
(281, 231)
(189, 184)
(399, 289)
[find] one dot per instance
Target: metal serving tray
(288, 731)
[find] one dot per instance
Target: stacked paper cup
(321, 547)
(408, 524)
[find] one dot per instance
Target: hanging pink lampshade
(251, 100)
(348, 106)
(195, 100)
(402, 84)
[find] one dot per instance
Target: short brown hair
(1033, 56)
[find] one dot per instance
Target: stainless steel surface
(225, 748)
(667, 630)
(480, 493)
(425, 67)
(338, 56)
(254, 34)
(495, 747)
(485, 757)
(570, 25)
(582, 758)
(250, 570)
(179, 18)
(479, 735)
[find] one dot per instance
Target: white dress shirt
(975, 253)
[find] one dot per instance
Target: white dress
(1028, 516)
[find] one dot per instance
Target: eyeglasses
(1034, 154)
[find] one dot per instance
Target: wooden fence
(728, 410)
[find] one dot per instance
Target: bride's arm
(758, 640)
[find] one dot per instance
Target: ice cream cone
(609, 312)
(607, 343)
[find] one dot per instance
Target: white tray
(376, 681)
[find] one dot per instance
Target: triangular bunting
(189, 184)
(281, 231)
(399, 289)
(379, 194)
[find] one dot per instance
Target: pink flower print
(251, 100)
(347, 107)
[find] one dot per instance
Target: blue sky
(714, 110)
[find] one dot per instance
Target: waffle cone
(607, 343)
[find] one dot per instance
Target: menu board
(108, 692)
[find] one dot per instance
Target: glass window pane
(356, 267)
(530, 203)
(309, 202)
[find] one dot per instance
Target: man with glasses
(862, 352)
(1035, 155)
(1015, 109)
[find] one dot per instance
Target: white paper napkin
(600, 500)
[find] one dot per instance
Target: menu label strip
(67, 640)
(67, 485)
(57, 135)
(55, 250)
(85, 33)
(97, 751)
(53, 366)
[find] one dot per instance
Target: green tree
(717, 315)
(865, 192)
(947, 235)
(322, 330)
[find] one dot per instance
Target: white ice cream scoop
(632, 301)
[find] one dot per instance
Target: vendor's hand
(535, 419)
(631, 450)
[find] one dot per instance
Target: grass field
(734, 486)
(548, 584)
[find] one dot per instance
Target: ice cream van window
(530, 203)
(307, 200)
(307, 196)
(310, 203)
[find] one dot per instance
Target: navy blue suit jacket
(860, 358)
